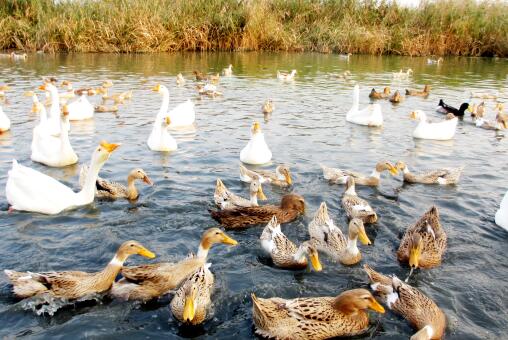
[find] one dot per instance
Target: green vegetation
(441, 27)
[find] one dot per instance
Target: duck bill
(375, 306)
(109, 147)
(362, 236)
(228, 240)
(414, 257)
(289, 180)
(314, 260)
(146, 253)
(261, 194)
(188, 310)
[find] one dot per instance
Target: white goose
(370, 116)
(256, 151)
(444, 130)
(30, 190)
(5, 122)
(182, 115)
(502, 213)
(81, 108)
(160, 139)
(52, 150)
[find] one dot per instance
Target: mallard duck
(286, 254)
(256, 151)
(380, 95)
(225, 199)
(482, 95)
(403, 75)
(81, 108)
(314, 318)
(30, 190)
(443, 130)
(411, 303)
(328, 238)
(214, 78)
(50, 150)
(267, 107)
(74, 284)
(5, 122)
(106, 108)
(424, 243)
(396, 97)
(228, 71)
(355, 206)
(286, 76)
(435, 61)
(424, 93)
(200, 76)
(443, 176)
(281, 177)
(114, 190)
(150, 281)
(370, 116)
(444, 108)
(180, 80)
(291, 206)
(193, 299)
(339, 176)
(501, 217)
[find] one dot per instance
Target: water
(307, 128)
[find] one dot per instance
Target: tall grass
(441, 27)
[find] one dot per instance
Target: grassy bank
(436, 28)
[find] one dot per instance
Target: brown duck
(291, 206)
(424, 93)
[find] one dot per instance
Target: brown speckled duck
(314, 318)
(291, 206)
(424, 243)
(421, 312)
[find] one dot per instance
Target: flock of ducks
(190, 279)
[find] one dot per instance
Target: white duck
(81, 108)
(182, 115)
(256, 151)
(443, 130)
(52, 150)
(5, 122)
(286, 76)
(52, 125)
(502, 213)
(30, 190)
(370, 116)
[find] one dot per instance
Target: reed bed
(442, 27)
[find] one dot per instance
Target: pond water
(308, 128)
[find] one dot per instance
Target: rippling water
(307, 128)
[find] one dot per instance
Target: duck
(267, 107)
(286, 76)
(5, 122)
(444, 130)
(32, 191)
(50, 150)
(228, 71)
(160, 139)
(281, 177)
(146, 282)
(501, 217)
(181, 115)
(380, 95)
(200, 76)
(420, 310)
(314, 317)
(180, 80)
(73, 285)
(106, 108)
(424, 243)
(225, 199)
(114, 190)
(339, 176)
(444, 108)
(396, 97)
(284, 253)
(438, 61)
(290, 208)
(445, 176)
(355, 206)
(424, 93)
(256, 151)
(328, 238)
(81, 108)
(403, 75)
(193, 299)
(370, 116)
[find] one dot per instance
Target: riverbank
(463, 28)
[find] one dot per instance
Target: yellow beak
(188, 310)
(314, 260)
(261, 194)
(414, 256)
(228, 240)
(362, 236)
(374, 305)
(289, 180)
(146, 253)
(109, 147)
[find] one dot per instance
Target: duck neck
(131, 188)
(164, 105)
(86, 195)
